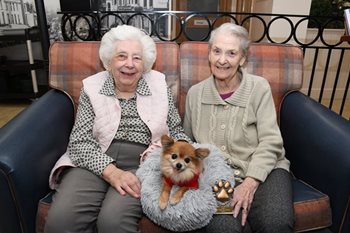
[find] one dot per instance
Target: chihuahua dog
(180, 164)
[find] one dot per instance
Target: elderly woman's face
(127, 64)
(225, 56)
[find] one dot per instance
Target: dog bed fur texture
(196, 208)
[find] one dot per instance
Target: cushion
(43, 209)
(311, 207)
(281, 65)
(311, 210)
(68, 67)
(196, 208)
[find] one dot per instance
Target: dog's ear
(202, 153)
(166, 141)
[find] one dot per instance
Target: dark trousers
(271, 210)
(84, 202)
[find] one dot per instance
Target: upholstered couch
(317, 140)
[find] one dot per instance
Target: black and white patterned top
(84, 150)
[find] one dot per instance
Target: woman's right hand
(124, 182)
(243, 197)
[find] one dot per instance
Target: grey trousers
(86, 203)
(271, 210)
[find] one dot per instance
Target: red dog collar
(192, 183)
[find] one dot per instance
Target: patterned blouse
(85, 151)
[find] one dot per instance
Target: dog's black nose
(178, 166)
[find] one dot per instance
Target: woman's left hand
(243, 197)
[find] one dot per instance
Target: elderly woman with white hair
(121, 115)
(234, 110)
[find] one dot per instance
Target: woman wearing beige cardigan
(234, 110)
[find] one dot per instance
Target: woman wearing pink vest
(122, 113)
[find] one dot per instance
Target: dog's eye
(174, 156)
(187, 160)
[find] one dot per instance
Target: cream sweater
(244, 126)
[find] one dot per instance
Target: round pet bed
(196, 208)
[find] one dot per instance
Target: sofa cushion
(167, 62)
(311, 207)
(311, 210)
(43, 209)
(71, 62)
(281, 65)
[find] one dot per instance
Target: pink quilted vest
(153, 111)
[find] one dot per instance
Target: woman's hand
(123, 181)
(243, 197)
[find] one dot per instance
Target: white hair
(233, 30)
(127, 32)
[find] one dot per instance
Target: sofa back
(281, 65)
(71, 62)
(184, 66)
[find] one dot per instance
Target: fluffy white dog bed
(197, 207)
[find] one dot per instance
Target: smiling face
(126, 65)
(225, 56)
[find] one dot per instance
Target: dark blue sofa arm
(30, 144)
(317, 142)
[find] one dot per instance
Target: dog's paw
(223, 190)
(162, 204)
(174, 200)
(177, 196)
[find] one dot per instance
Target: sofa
(317, 140)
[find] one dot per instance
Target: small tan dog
(180, 164)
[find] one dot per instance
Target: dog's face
(180, 161)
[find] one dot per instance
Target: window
(333, 8)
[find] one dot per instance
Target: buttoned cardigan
(243, 126)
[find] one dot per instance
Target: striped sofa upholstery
(281, 65)
(185, 65)
(71, 62)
